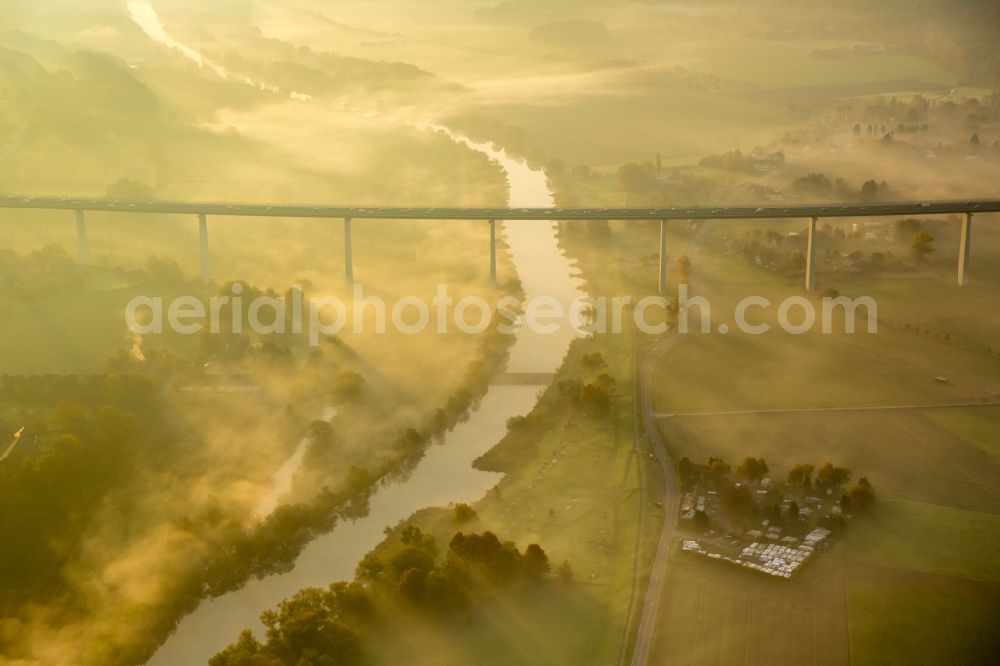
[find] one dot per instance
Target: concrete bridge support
(82, 247)
(348, 254)
(493, 253)
(206, 269)
(662, 289)
(964, 250)
(811, 256)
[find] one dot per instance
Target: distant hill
(571, 34)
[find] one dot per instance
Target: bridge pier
(964, 250)
(662, 289)
(348, 254)
(493, 253)
(206, 271)
(811, 256)
(82, 247)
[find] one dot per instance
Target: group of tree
(827, 476)
(51, 480)
(833, 479)
(790, 261)
(637, 177)
(736, 495)
(39, 274)
(329, 627)
(736, 160)
(475, 566)
(816, 184)
(922, 240)
(821, 186)
(132, 391)
(127, 188)
(752, 469)
(591, 398)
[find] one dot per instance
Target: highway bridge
(810, 212)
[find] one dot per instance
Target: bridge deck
(828, 210)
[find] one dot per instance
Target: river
(445, 474)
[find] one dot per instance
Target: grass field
(902, 618)
(716, 615)
(981, 427)
(555, 624)
(930, 538)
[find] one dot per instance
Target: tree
(320, 433)
(637, 177)
(409, 557)
(686, 473)
(800, 475)
(909, 225)
(246, 651)
(411, 585)
(69, 417)
(565, 571)
(370, 568)
(594, 400)
(793, 510)
(570, 388)
(307, 625)
(442, 593)
(534, 561)
(923, 245)
(974, 140)
(163, 270)
(347, 386)
(599, 229)
(862, 495)
(753, 469)
(462, 513)
(718, 466)
(829, 476)
(358, 480)
(701, 521)
(739, 501)
(683, 268)
(130, 189)
(411, 535)
(605, 381)
(869, 191)
(816, 184)
(485, 557)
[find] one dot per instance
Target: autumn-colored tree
(923, 245)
